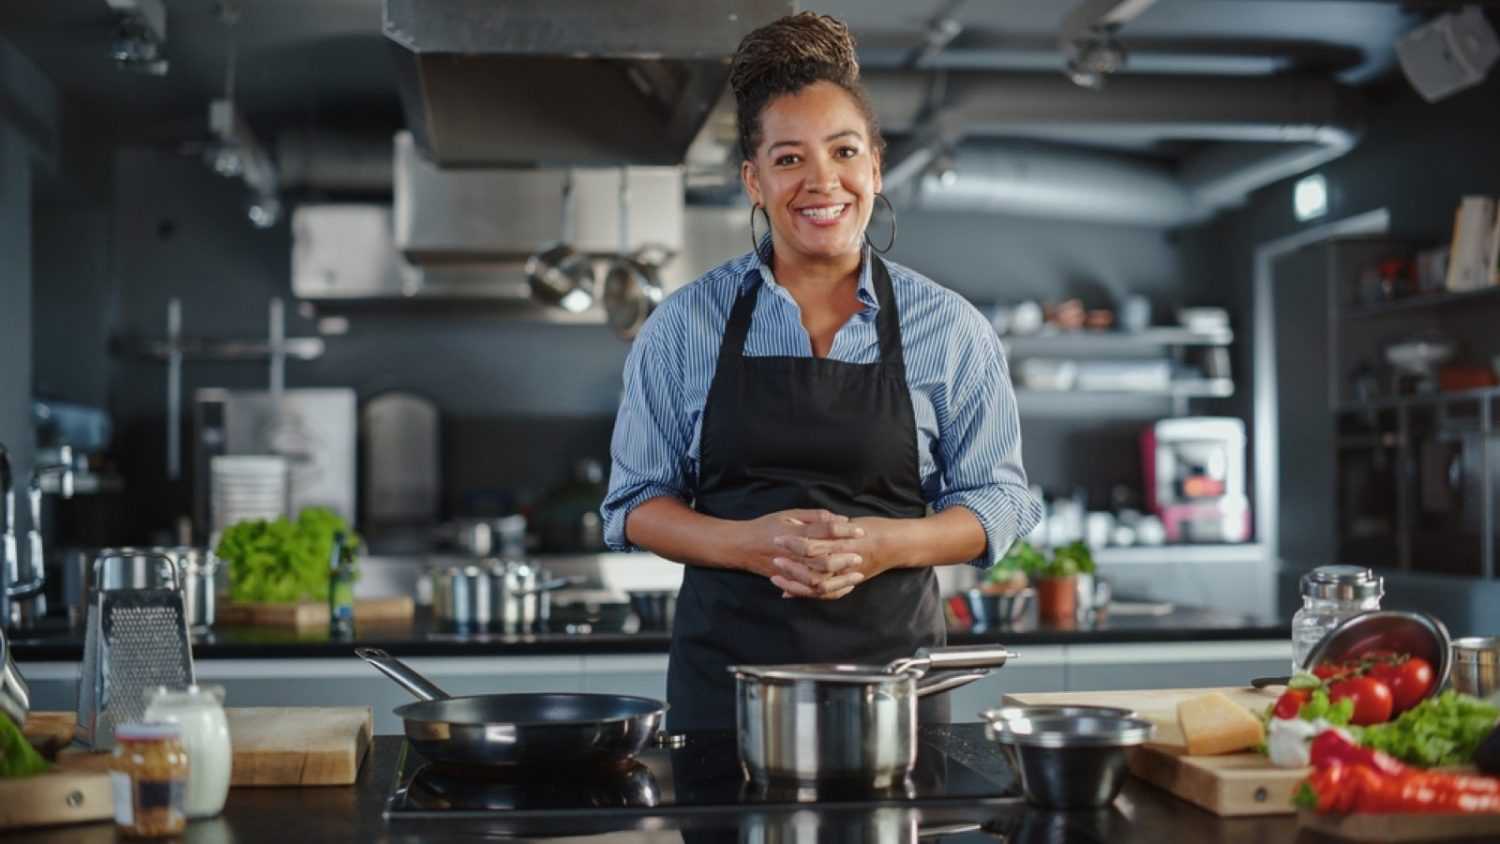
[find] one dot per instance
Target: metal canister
(462, 599)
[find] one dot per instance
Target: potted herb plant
(1058, 581)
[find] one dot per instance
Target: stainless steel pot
(1476, 666)
(811, 723)
(461, 597)
(196, 571)
(520, 595)
(15, 697)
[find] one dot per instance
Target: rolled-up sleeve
(979, 438)
(649, 446)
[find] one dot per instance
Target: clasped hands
(814, 553)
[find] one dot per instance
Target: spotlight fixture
(140, 39)
(1096, 56)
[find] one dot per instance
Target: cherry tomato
(1335, 670)
(1409, 683)
(1372, 699)
(1290, 703)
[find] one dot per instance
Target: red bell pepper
(1331, 748)
(1345, 788)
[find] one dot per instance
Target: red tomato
(1335, 670)
(1372, 699)
(1410, 682)
(1290, 703)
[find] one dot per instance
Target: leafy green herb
(1022, 556)
(1442, 730)
(17, 757)
(1318, 706)
(283, 560)
(1304, 797)
(1075, 556)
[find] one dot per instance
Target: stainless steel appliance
(855, 723)
(402, 479)
(313, 428)
(1194, 469)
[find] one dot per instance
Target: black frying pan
(536, 729)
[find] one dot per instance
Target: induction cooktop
(702, 775)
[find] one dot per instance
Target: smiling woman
(809, 421)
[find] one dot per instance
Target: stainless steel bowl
(654, 607)
(992, 717)
(1414, 633)
(1476, 667)
(1071, 762)
(998, 611)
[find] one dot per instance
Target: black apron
(783, 433)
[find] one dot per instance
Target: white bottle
(205, 736)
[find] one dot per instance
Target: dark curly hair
(787, 55)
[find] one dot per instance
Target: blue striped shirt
(968, 433)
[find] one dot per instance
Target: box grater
(136, 639)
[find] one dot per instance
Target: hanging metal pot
(561, 277)
(632, 290)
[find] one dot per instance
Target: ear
(750, 179)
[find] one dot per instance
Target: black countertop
(1142, 813)
(54, 640)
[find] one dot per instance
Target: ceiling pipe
(1275, 127)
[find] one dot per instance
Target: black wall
(1416, 159)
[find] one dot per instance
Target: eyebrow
(833, 137)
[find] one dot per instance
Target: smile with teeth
(825, 213)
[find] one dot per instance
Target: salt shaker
(199, 711)
(1331, 594)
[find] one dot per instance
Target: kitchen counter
(423, 637)
(354, 813)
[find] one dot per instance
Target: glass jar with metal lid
(1331, 594)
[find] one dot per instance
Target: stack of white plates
(245, 487)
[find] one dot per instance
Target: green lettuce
(17, 757)
(1442, 730)
(283, 560)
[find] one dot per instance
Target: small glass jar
(1331, 594)
(199, 711)
(148, 773)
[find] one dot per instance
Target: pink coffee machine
(1195, 478)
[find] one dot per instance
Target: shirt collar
(757, 269)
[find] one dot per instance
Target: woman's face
(815, 172)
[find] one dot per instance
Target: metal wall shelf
(1487, 295)
(1423, 400)
(1096, 342)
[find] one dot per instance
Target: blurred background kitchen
(1241, 254)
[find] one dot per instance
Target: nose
(823, 176)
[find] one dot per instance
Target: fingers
(806, 583)
(831, 564)
(833, 530)
(793, 589)
(814, 517)
(802, 546)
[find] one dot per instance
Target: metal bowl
(997, 611)
(993, 717)
(1476, 667)
(1073, 761)
(1414, 633)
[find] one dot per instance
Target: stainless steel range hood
(537, 82)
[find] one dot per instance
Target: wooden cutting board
(314, 614)
(1402, 827)
(1231, 785)
(273, 745)
(299, 745)
(76, 790)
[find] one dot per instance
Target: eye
(789, 158)
(847, 152)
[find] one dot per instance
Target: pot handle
(942, 659)
(933, 685)
(405, 675)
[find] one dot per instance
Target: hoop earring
(880, 197)
(754, 240)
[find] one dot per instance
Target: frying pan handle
(933, 685)
(402, 673)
